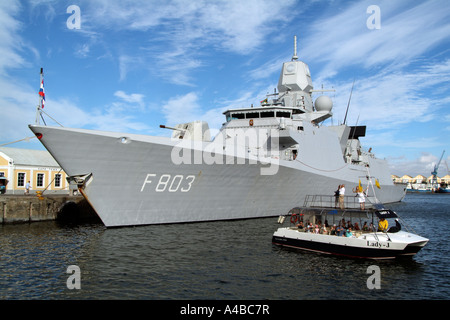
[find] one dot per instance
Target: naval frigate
(263, 161)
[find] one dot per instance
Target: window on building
(40, 179)
(57, 180)
(21, 179)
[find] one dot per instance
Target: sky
(130, 66)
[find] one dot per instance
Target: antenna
(348, 105)
(294, 57)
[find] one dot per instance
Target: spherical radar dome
(323, 103)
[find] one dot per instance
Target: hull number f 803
(168, 183)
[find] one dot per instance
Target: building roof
(29, 157)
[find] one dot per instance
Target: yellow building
(20, 166)
(419, 179)
(446, 179)
(406, 179)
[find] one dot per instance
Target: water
(216, 260)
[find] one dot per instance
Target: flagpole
(38, 109)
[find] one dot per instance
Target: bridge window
(283, 114)
(251, 115)
(238, 116)
(268, 114)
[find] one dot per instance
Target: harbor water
(233, 260)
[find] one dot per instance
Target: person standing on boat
(361, 194)
(383, 225)
(341, 196)
(336, 196)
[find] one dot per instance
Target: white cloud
(235, 25)
(126, 63)
(182, 109)
(10, 41)
(344, 40)
(180, 32)
(130, 98)
(18, 100)
(422, 164)
(187, 108)
(82, 51)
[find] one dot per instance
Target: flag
(377, 184)
(42, 93)
(360, 188)
(264, 101)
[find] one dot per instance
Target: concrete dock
(30, 208)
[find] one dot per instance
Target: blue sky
(133, 65)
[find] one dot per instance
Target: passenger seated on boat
(333, 230)
(349, 224)
(348, 233)
(397, 227)
(339, 231)
(324, 229)
(300, 225)
(316, 229)
(365, 226)
(356, 226)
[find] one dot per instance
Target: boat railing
(327, 201)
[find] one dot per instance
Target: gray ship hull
(131, 179)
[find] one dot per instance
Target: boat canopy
(336, 213)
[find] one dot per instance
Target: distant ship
(263, 160)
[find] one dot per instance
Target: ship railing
(327, 201)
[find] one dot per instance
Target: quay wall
(30, 208)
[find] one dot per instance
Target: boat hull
(138, 180)
(371, 246)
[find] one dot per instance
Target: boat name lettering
(378, 244)
(168, 183)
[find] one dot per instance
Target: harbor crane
(434, 172)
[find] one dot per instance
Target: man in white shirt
(341, 196)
